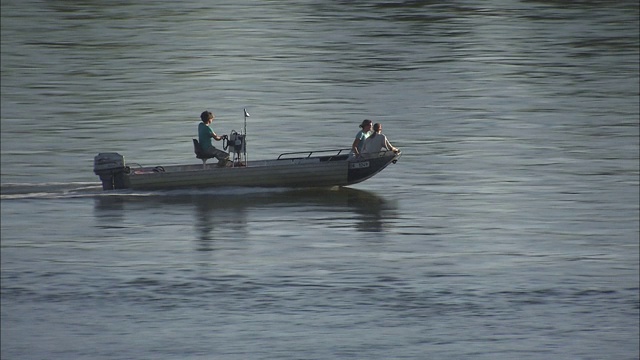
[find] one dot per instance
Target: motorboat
(303, 169)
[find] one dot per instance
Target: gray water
(508, 229)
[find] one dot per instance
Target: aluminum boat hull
(291, 172)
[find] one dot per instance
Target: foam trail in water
(48, 190)
(16, 191)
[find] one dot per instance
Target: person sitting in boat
(377, 142)
(361, 136)
(205, 134)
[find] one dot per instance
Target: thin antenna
(246, 115)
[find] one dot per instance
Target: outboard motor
(111, 169)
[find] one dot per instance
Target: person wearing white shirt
(377, 142)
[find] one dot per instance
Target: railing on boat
(338, 152)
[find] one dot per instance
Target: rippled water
(508, 229)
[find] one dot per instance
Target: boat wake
(17, 191)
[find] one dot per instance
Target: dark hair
(376, 127)
(365, 122)
(205, 116)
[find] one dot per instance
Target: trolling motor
(237, 143)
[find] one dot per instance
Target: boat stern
(111, 169)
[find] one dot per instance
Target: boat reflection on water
(231, 213)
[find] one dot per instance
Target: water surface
(508, 229)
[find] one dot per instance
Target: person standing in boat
(377, 142)
(361, 136)
(205, 134)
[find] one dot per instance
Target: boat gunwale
(339, 153)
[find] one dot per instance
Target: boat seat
(199, 154)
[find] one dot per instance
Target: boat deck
(294, 158)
